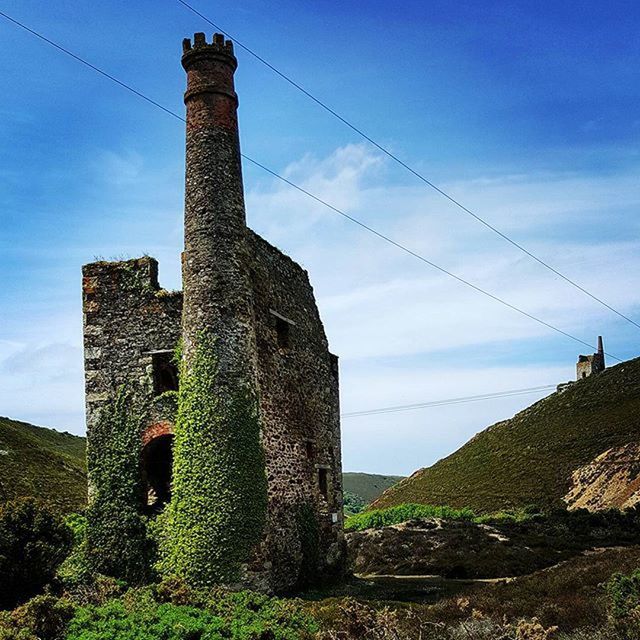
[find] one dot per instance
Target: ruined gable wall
(299, 412)
(126, 316)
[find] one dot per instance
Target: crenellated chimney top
(219, 46)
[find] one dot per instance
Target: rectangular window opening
(282, 330)
(165, 372)
(323, 483)
(310, 450)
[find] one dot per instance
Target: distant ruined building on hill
(594, 363)
(258, 307)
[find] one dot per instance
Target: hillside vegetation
(367, 486)
(530, 458)
(42, 463)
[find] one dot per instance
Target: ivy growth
(116, 542)
(219, 494)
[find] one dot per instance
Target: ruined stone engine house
(259, 305)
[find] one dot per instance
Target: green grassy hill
(367, 486)
(42, 463)
(529, 458)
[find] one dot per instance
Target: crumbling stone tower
(591, 364)
(254, 309)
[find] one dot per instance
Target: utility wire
(309, 194)
(450, 401)
(406, 166)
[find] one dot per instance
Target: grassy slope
(367, 485)
(529, 459)
(42, 463)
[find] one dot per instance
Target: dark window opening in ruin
(323, 483)
(165, 373)
(309, 448)
(282, 330)
(157, 465)
(584, 374)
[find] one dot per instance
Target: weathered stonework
(269, 339)
(591, 364)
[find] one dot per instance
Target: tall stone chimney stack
(219, 459)
(217, 291)
(600, 348)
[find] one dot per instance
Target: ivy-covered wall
(218, 509)
(117, 543)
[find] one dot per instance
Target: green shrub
(353, 503)
(511, 515)
(117, 543)
(623, 600)
(33, 543)
(142, 615)
(46, 617)
(114, 621)
(378, 518)
(75, 570)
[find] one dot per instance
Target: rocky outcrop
(611, 480)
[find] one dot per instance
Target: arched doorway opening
(157, 466)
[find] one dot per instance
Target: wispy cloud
(404, 332)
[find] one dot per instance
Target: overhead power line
(449, 401)
(380, 235)
(406, 166)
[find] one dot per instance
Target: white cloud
(404, 332)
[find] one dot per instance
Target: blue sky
(527, 113)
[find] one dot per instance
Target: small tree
(33, 543)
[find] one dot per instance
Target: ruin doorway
(157, 467)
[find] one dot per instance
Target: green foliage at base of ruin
(158, 612)
(219, 494)
(117, 543)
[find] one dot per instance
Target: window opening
(309, 449)
(165, 373)
(323, 483)
(157, 467)
(282, 330)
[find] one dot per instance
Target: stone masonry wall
(300, 414)
(127, 316)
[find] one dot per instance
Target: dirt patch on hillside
(611, 480)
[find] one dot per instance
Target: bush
(378, 518)
(142, 615)
(33, 543)
(623, 601)
(353, 503)
(46, 617)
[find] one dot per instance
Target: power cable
(449, 401)
(308, 193)
(406, 166)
